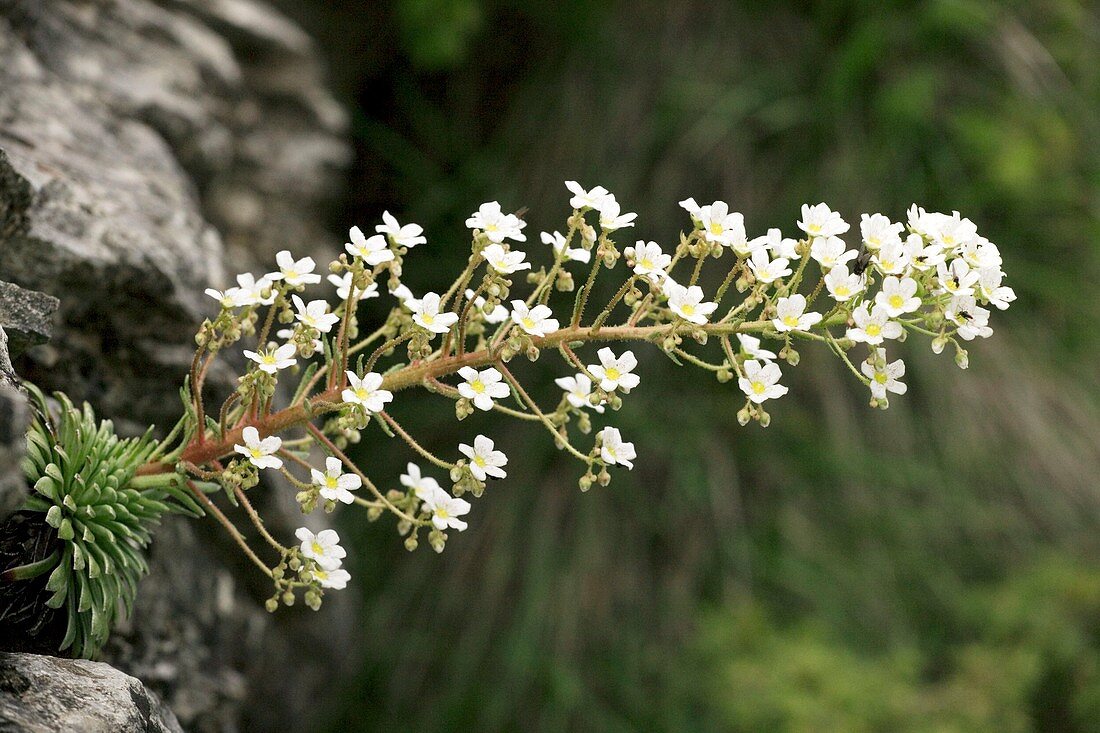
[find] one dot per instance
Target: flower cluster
(932, 275)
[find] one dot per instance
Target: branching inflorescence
(931, 277)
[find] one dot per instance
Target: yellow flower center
(478, 460)
(896, 301)
(268, 357)
(256, 452)
(790, 321)
(491, 227)
(428, 318)
(814, 228)
(887, 264)
(317, 548)
(646, 264)
(478, 386)
(331, 482)
(442, 512)
(528, 322)
(759, 387)
(612, 373)
(881, 377)
(873, 329)
(716, 227)
(362, 393)
(688, 309)
(843, 290)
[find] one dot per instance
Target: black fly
(863, 259)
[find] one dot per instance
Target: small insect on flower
(260, 453)
(295, 272)
(322, 548)
(614, 450)
(426, 314)
(957, 278)
(761, 381)
(557, 241)
(841, 285)
(445, 509)
(373, 250)
(885, 377)
(971, 319)
(534, 321)
(821, 221)
(578, 391)
(407, 236)
(872, 326)
(273, 359)
(335, 484)
(611, 216)
(496, 225)
(751, 346)
(315, 314)
(336, 579)
(790, 316)
(582, 199)
(503, 261)
(616, 372)
(482, 387)
(898, 296)
(365, 392)
(650, 261)
(484, 460)
(687, 303)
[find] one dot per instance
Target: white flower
(920, 221)
(230, 297)
(260, 452)
(615, 372)
(426, 314)
(445, 509)
(774, 242)
(888, 378)
(252, 290)
(919, 256)
(722, 226)
(980, 253)
(499, 314)
(286, 334)
(408, 236)
(365, 392)
(535, 321)
(650, 261)
(688, 303)
(322, 548)
(503, 261)
(842, 285)
(898, 296)
(821, 221)
(952, 231)
(693, 209)
(372, 250)
(872, 326)
(557, 241)
(878, 230)
(294, 272)
(751, 346)
(484, 460)
(273, 359)
(420, 484)
(761, 381)
(611, 216)
(957, 278)
(989, 285)
(343, 287)
(789, 314)
(614, 451)
(496, 225)
(768, 270)
(405, 296)
(335, 484)
(893, 257)
(586, 199)
(336, 579)
(482, 387)
(578, 390)
(971, 319)
(830, 252)
(315, 314)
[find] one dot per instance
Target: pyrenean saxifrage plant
(931, 277)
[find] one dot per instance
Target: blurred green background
(930, 568)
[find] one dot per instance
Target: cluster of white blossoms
(933, 275)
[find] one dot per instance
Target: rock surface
(45, 694)
(14, 419)
(147, 148)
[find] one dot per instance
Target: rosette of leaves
(85, 485)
